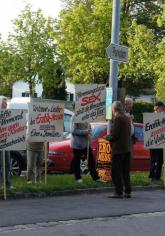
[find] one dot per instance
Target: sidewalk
(23, 195)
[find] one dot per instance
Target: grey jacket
(35, 146)
(79, 135)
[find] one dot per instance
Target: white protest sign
(12, 129)
(154, 130)
(45, 122)
(90, 102)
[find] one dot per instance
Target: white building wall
(20, 87)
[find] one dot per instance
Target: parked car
(19, 158)
(60, 154)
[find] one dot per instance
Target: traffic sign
(117, 52)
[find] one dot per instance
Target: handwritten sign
(154, 130)
(104, 159)
(12, 129)
(90, 103)
(45, 122)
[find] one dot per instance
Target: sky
(10, 9)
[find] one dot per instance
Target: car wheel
(16, 165)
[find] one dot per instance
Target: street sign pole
(113, 74)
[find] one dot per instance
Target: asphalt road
(85, 215)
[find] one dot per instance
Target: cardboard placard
(104, 159)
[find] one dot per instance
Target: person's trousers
(77, 156)
(156, 162)
(34, 165)
(7, 166)
(121, 173)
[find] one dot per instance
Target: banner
(108, 103)
(90, 102)
(104, 159)
(46, 120)
(154, 130)
(12, 129)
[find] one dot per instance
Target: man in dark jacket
(120, 139)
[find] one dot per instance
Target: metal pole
(113, 75)
(4, 174)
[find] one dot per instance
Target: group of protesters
(121, 137)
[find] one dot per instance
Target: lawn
(59, 182)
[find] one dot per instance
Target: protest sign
(12, 129)
(104, 159)
(90, 102)
(109, 103)
(154, 130)
(45, 122)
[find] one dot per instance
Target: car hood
(59, 144)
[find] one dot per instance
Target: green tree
(159, 64)
(6, 76)
(138, 73)
(83, 34)
(36, 57)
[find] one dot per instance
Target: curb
(20, 195)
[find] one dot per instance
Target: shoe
(29, 182)
(116, 196)
(101, 181)
(127, 195)
(79, 180)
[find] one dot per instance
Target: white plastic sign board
(12, 129)
(45, 121)
(117, 52)
(90, 102)
(154, 130)
(109, 94)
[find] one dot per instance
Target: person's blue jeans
(7, 164)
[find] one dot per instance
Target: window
(97, 130)
(139, 133)
(67, 122)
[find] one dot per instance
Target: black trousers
(77, 156)
(121, 173)
(156, 162)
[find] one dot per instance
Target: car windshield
(139, 133)
(97, 129)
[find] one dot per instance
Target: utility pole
(113, 74)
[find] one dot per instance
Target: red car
(60, 153)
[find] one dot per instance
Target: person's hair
(130, 100)
(159, 104)
(117, 105)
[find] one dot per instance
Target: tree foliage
(159, 64)
(84, 31)
(36, 58)
(83, 35)
(138, 73)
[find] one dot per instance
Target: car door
(141, 156)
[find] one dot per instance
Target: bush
(139, 108)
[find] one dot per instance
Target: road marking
(39, 225)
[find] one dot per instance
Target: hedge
(139, 108)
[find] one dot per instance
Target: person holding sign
(80, 138)
(35, 155)
(156, 160)
(120, 139)
(3, 105)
